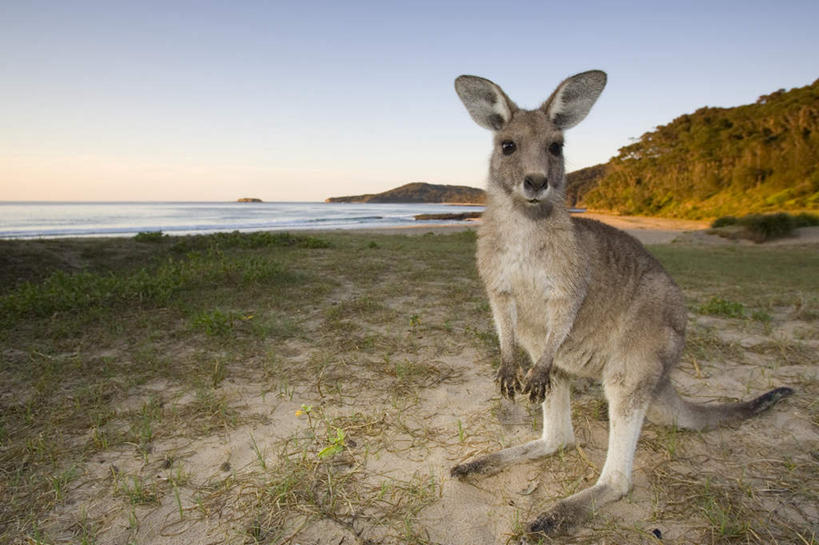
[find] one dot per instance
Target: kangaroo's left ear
(572, 100)
(485, 101)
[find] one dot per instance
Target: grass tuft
(717, 306)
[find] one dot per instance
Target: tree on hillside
(717, 161)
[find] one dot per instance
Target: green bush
(768, 226)
(723, 221)
(805, 220)
(762, 227)
(150, 236)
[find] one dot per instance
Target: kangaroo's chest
(527, 274)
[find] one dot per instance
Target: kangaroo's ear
(572, 100)
(486, 102)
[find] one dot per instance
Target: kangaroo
(580, 297)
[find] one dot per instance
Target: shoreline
(647, 229)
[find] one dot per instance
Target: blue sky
(300, 101)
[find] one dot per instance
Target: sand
(488, 510)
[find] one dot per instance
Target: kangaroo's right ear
(486, 102)
(572, 100)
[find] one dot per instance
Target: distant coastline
(420, 192)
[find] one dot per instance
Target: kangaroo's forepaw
(507, 379)
(536, 382)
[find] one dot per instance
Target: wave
(349, 219)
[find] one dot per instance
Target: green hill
(421, 192)
(760, 157)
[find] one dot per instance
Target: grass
(124, 360)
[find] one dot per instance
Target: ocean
(120, 219)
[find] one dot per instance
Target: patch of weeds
(60, 481)
(85, 529)
(215, 323)
(761, 316)
(666, 440)
(717, 306)
(208, 412)
(727, 518)
(143, 422)
(335, 444)
(135, 490)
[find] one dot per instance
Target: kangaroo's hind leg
(557, 433)
(627, 409)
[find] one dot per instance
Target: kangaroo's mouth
(533, 201)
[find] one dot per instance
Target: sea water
(84, 219)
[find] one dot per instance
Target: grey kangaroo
(580, 297)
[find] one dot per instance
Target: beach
(648, 230)
(317, 387)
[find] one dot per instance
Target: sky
(299, 101)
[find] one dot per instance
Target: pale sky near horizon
(289, 101)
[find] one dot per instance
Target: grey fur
(580, 297)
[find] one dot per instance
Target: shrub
(762, 227)
(723, 221)
(150, 236)
(805, 220)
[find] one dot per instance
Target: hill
(421, 193)
(760, 157)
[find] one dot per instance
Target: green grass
(110, 357)
(757, 278)
(718, 306)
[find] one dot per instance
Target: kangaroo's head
(527, 158)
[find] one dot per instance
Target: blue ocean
(95, 219)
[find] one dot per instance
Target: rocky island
(249, 199)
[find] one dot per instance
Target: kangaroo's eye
(556, 148)
(508, 147)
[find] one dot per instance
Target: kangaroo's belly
(583, 353)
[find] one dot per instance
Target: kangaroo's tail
(671, 409)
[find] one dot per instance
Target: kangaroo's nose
(535, 182)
